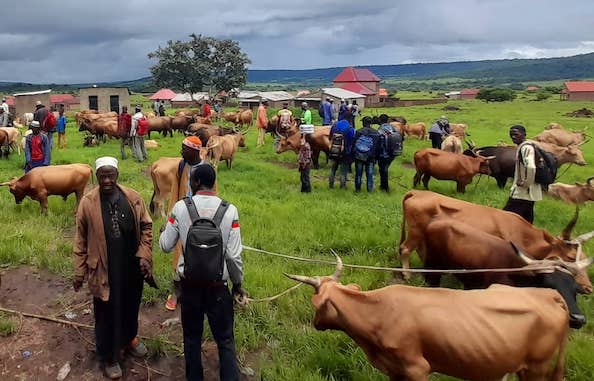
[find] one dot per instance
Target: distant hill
(466, 73)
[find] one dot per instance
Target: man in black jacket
(365, 152)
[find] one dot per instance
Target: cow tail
(152, 203)
(403, 225)
(559, 370)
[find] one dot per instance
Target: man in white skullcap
(113, 252)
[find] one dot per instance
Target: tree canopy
(496, 95)
(201, 64)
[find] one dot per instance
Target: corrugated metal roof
(248, 94)
(579, 86)
(33, 92)
(63, 98)
(185, 97)
(351, 74)
(469, 91)
(358, 88)
(276, 95)
(337, 92)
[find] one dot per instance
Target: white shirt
(135, 118)
(5, 107)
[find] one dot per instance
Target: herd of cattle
(408, 332)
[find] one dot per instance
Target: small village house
(165, 95)
(359, 81)
(469, 93)
(68, 101)
(578, 91)
(104, 99)
(25, 102)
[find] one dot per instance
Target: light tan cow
(13, 138)
(561, 138)
(223, 148)
(479, 335)
(458, 129)
(452, 144)
(573, 194)
(554, 126)
(416, 129)
(163, 174)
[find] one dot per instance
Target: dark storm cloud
(109, 40)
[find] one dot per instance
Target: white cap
(106, 161)
(37, 103)
(35, 124)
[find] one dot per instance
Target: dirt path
(51, 344)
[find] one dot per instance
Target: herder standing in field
(524, 190)
(304, 163)
(262, 121)
(190, 152)
(438, 130)
(61, 129)
(37, 148)
(365, 153)
(390, 147)
(342, 136)
(124, 127)
(138, 148)
(113, 251)
(208, 229)
(306, 115)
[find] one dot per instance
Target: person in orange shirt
(262, 121)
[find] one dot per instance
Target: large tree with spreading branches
(201, 64)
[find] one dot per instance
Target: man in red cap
(180, 188)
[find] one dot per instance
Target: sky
(78, 41)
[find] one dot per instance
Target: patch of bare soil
(408, 166)
(581, 113)
(40, 348)
(451, 108)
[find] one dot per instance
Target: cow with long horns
(408, 332)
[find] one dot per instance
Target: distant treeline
(515, 73)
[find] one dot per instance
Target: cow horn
(315, 282)
(338, 271)
(523, 256)
(584, 142)
(6, 183)
(566, 233)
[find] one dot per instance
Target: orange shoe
(171, 303)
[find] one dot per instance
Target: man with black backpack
(524, 190)
(342, 135)
(390, 147)
(365, 152)
(208, 229)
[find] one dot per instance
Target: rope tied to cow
(544, 267)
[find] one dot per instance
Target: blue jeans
(344, 168)
(359, 165)
(217, 303)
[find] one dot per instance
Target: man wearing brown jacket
(113, 252)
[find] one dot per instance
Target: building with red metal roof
(578, 91)
(360, 81)
(469, 93)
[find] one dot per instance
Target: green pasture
(363, 228)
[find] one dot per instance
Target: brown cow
(160, 124)
(399, 126)
(100, 127)
(408, 332)
(416, 129)
(78, 115)
(458, 129)
(245, 117)
(205, 131)
(419, 208)
(231, 117)
(223, 148)
(554, 126)
(319, 142)
(431, 162)
(163, 174)
(451, 144)
(560, 137)
(58, 180)
(4, 144)
(181, 123)
(573, 194)
(452, 244)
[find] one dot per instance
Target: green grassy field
(363, 228)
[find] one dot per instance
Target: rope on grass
(401, 270)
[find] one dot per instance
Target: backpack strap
(194, 216)
(180, 168)
(220, 213)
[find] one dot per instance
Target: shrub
(496, 95)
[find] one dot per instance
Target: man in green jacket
(306, 116)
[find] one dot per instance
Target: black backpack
(204, 254)
(394, 144)
(546, 167)
(336, 146)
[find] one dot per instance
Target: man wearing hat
(113, 252)
(438, 130)
(285, 118)
(524, 191)
(262, 121)
(199, 296)
(138, 148)
(37, 148)
(180, 188)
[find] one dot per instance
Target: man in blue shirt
(344, 160)
(327, 106)
(61, 129)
